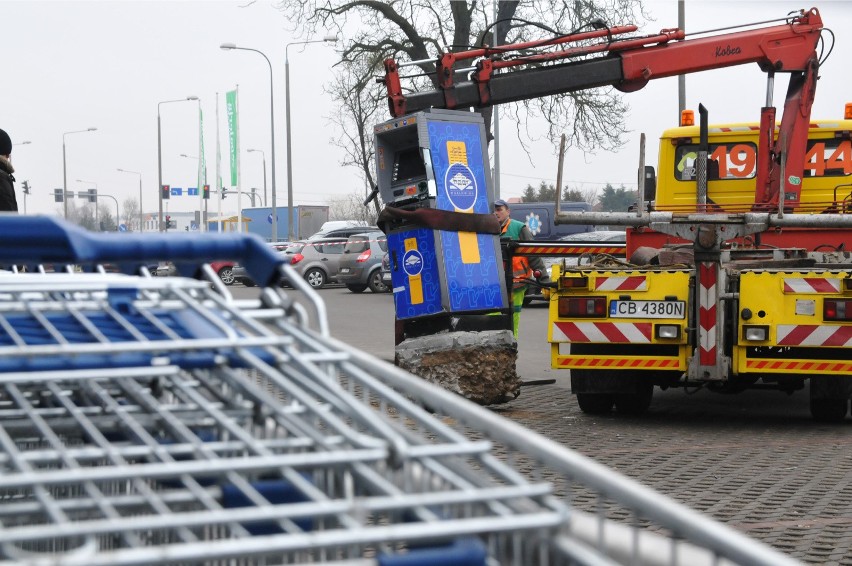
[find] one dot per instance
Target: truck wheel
(635, 403)
(829, 410)
(595, 403)
(830, 397)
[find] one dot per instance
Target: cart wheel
(376, 284)
(357, 288)
(315, 278)
(635, 403)
(226, 275)
(595, 403)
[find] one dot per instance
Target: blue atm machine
(445, 257)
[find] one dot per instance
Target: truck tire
(829, 410)
(635, 403)
(595, 403)
(830, 398)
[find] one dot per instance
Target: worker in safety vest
(523, 267)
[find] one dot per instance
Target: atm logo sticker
(412, 263)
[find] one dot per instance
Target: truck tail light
(364, 256)
(837, 309)
(587, 307)
(296, 258)
(573, 282)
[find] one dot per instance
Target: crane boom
(628, 64)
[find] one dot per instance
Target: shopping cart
(160, 421)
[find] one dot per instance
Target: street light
(65, 169)
(330, 39)
(160, 157)
(141, 213)
(231, 46)
(263, 155)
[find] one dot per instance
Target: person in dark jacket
(8, 202)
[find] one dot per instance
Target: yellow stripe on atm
(415, 282)
(468, 241)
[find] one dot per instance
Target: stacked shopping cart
(160, 421)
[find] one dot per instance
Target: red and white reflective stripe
(707, 286)
(814, 335)
(614, 332)
(811, 285)
(632, 283)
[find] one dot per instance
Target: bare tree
(419, 30)
(351, 207)
(130, 211)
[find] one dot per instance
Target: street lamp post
(230, 46)
(65, 168)
(160, 157)
(141, 210)
(263, 155)
(330, 39)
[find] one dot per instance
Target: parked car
(224, 269)
(360, 266)
(617, 237)
(316, 261)
(386, 273)
(343, 232)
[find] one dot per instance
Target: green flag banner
(231, 109)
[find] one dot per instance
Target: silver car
(361, 264)
(317, 260)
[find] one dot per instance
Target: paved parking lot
(755, 461)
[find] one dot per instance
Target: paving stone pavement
(755, 461)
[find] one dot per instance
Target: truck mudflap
(794, 322)
(620, 319)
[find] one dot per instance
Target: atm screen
(408, 165)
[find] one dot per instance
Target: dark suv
(361, 264)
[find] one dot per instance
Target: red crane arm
(517, 72)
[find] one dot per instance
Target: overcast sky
(73, 65)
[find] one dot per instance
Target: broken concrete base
(477, 365)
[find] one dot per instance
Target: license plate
(647, 309)
(344, 270)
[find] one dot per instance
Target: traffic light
(205, 192)
(58, 195)
(168, 220)
(166, 192)
(26, 185)
(224, 193)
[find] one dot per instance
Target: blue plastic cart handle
(46, 239)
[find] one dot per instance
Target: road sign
(122, 227)
(192, 225)
(177, 191)
(269, 218)
(192, 191)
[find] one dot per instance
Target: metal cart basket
(160, 421)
